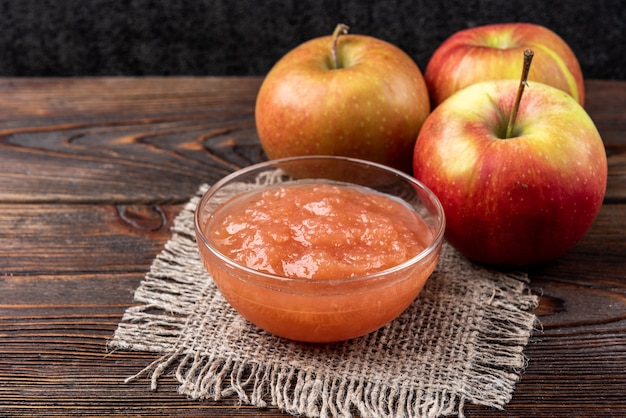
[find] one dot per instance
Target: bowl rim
(432, 247)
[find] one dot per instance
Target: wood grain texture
(92, 174)
(122, 140)
(606, 104)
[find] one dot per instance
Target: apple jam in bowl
(319, 248)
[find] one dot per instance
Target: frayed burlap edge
(172, 321)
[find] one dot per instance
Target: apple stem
(528, 58)
(340, 29)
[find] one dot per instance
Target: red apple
(490, 52)
(518, 200)
(370, 105)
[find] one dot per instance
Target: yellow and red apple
(518, 200)
(491, 52)
(370, 103)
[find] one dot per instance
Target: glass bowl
(334, 308)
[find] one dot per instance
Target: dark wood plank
(54, 360)
(139, 140)
(93, 172)
(63, 238)
(32, 103)
(55, 327)
(606, 104)
(122, 140)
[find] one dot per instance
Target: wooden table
(93, 171)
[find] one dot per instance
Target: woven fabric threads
(461, 341)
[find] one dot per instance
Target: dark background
(246, 37)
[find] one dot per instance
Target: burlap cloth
(461, 341)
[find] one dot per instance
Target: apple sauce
(317, 260)
(317, 231)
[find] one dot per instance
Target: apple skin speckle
(372, 108)
(517, 201)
